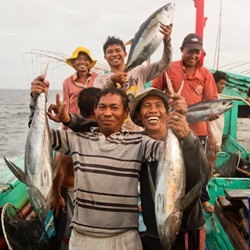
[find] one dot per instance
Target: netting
(22, 233)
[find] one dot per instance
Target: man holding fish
(150, 110)
(107, 163)
(133, 76)
(198, 85)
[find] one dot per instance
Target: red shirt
(71, 89)
(197, 87)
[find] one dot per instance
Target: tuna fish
(202, 110)
(148, 37)
(38, 161)
(170, 189)
(169, 194)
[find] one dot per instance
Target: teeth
(153, 118)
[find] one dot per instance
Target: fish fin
(192, 194)
(16, 170)
(151, 183)
(129, 42)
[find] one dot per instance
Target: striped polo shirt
(106, 177)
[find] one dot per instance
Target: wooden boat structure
(228, 227)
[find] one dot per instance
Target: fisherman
(97, 224)
(63, 184)
(217, 125)
(198, 85)
(134, 80)
(150, 111)
(82, 61)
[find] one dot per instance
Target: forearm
(157, 68)
(80, 124)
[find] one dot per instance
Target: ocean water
(14, 116)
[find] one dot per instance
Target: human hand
(213, 117)
(178, 123)
(57, 204)
(166, 30)
(39, 85)
(59, 109)
(178, 103)
(120, 77)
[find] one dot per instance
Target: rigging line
(25, 69)
(218, 39)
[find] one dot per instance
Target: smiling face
(153, 116)
(190, 57)
(82, 63)
(110, 114)
(115, 56)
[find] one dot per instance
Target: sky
(28, 27)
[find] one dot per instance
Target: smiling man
(82, 61)
(107, 162)
(134, 80)
(150, 110)
(198, 85)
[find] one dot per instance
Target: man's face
(82, 63)
(190, 57)
(110, 114)
(153, 114)
(115, 55)
(220, 85)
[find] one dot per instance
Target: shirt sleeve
(60, 141)
(66, 94)
(80, 124)
(104, 81)
(151, 149)
(157, 68)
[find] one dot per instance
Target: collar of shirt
(75, 76)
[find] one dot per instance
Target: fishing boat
(226, 192)
(228, 227)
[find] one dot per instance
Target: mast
(200, 20)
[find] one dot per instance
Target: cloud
(61, 26)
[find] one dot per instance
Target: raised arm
(157, 68)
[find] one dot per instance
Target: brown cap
(192, 41)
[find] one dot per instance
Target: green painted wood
(216, 237)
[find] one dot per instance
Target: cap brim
(136, 101)
(190, 46)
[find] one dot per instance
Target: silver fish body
(169, 191)
(38, 160)
(148, 37)
(202, 110)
